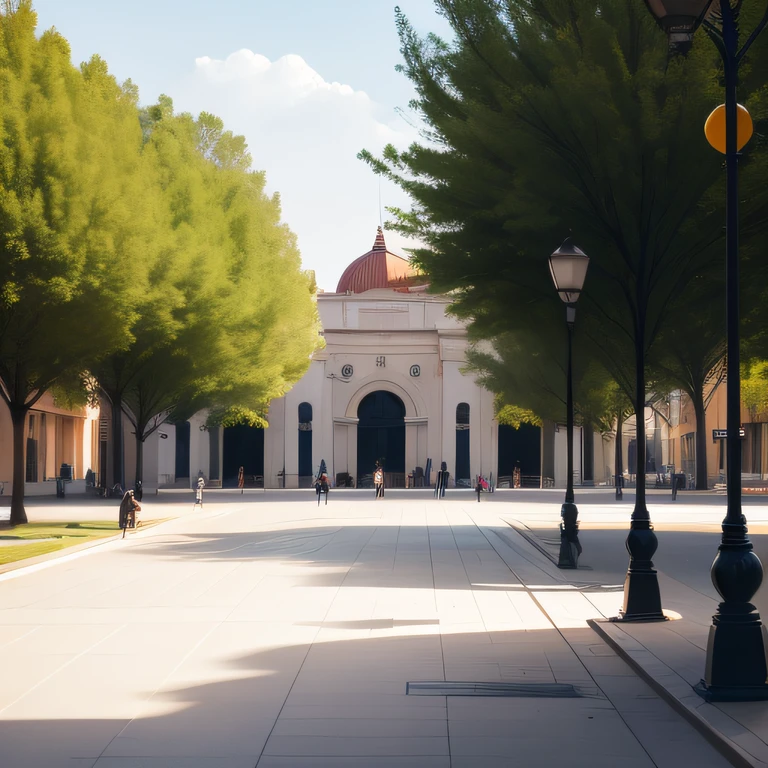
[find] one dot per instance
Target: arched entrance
(243, 447)
(381, 435)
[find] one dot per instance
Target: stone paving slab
(283, 634)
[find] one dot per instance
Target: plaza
(266, 631)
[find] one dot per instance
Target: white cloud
(305, 133)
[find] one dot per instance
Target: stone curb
(679, 694)
(531, 538)
(537, 544)
(29, 561)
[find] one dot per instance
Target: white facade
(402, 343)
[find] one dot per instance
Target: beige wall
(62, 436)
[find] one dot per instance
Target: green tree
(550, 116)
(230, 322)
(690, 355)
(71, 218)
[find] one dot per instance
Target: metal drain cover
(517, 690)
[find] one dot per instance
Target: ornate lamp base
(570, 547)
(642, 599)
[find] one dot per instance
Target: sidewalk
(365, 634)
(669, 656)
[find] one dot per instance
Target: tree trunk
(139, 460)
(18, 419)
(118, 467)
(701, 440)
(619, 454)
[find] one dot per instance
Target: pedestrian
(378, 480)
(199, 491)
(128, 509)
(478, 490)
(241, 479)
(322, 485)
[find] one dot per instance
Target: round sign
(415, 370)
(347, 371)
(714, 129)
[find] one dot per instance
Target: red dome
(377, 269)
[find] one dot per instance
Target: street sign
(722, 434)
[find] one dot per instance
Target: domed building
(388, 386)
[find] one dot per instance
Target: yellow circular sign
(714, 128)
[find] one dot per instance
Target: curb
(534, 541)
(29, 561)
(731, 751)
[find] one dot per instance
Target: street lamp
(736, 668)
(679, 19)
(568, 266)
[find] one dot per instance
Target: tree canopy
(137, 246)
(549, 118)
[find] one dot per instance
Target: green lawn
(63, 534)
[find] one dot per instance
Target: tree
(551, 116)
(71, 218)
(232, 322)
(690, 356)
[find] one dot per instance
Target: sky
(308, 84)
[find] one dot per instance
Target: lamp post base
(642, 599)
(731, 693)
(570, 547)
(737, 655)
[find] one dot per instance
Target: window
(462, 446)
(305, 413)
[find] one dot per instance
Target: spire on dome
(378, 243)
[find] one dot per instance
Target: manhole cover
(518, 690)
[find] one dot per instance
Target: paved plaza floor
(266, 631)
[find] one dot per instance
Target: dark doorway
(306, 474)
(381, 435)
(243, 447)
(521, 446)
(182, 450)
(462, 476)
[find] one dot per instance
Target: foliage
(546, 117)
(137, 249)
(72, 218)
(514, 416)
(754, 387)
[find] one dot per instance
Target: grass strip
(21, 542)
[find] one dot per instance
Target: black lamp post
(736, 667)
(568, 265)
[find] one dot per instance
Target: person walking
(378, 480)
(241, 479)
(128, 509)
(322, 486)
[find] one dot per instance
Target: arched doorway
(381, 435)
(243, 447)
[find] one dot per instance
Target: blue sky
(309, 84)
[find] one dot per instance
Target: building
(389, 385)
(54, 436)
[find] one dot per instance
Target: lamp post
(736, 668)
(568, 266)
